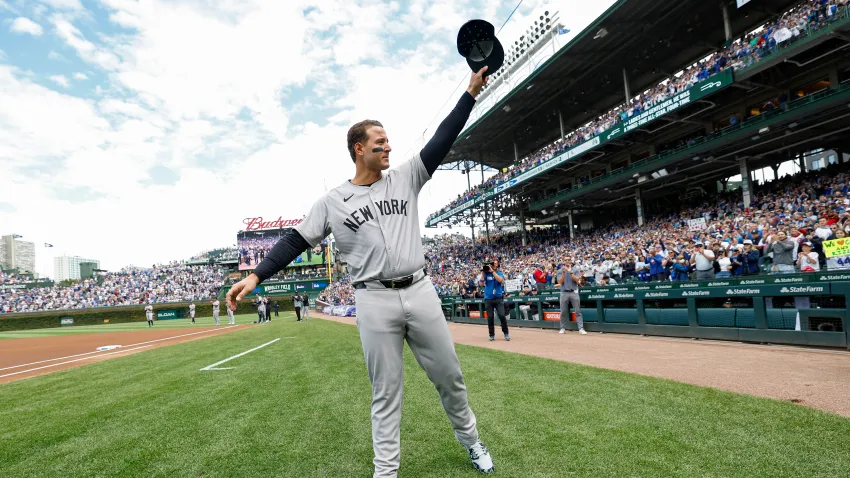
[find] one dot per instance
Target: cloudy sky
(140, 132)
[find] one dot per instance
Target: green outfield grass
(127, 327)
(300, 408)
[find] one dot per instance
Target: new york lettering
(362, 215)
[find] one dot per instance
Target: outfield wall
(808, 313)
(123, 314)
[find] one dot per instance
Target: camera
(486, 267)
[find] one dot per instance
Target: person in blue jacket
(750, 259)
(680, 269)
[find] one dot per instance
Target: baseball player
(192, 312)
(296, 304)
(374, 218)
(230, 316)
(149, 314)
(215, 305)
(305, 306)
(261, 310)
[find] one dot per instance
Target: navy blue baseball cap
(477, 42)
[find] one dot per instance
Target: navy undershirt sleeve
(438, 147)
(282, 254)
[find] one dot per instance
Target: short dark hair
(357, 134)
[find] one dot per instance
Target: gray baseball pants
(571, 299)
(385, 319)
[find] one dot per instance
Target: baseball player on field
(230, 316)
(216, 306)
(192, 312)
(375, 220)
(149, 314)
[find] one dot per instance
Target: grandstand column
(486, 215)
(522, 225)
(727, 26)
(626, 86)
(516, 153)
(746, 182)
(833, 77)
(561, 122)
(639, 204)
(572, 228)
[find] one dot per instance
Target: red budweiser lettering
(256, 223)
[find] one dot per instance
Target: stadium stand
(758, 42)
(174, 282)
(812, 207)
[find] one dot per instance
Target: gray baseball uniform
(215, 308)
(376, 229)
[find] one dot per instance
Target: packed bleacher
(174, 282)
(222, 253)
(782, 231)
(750, 48)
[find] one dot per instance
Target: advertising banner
(27, 285)
(168, 314)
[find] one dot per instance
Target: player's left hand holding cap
(477, 42)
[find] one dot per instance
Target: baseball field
(298, 405)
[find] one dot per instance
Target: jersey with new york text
(376, 227)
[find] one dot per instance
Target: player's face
(377, 139)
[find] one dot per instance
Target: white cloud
(53, 55)
(73, 5)
(223, 109)
(25, 25)
(60, 80)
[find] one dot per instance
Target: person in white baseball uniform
(230, 316)
(215, 308)
(192, 312)
(305, 306)
(374, 218)
(149, 314)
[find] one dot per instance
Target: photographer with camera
(492, 279)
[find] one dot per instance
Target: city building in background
(17, 254)
(73, 268)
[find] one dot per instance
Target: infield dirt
(41, 352)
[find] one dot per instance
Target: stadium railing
(718, 309)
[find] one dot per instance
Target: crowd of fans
(174, 282)
(782, 231)
(751, 48)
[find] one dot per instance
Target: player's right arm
(306, 235)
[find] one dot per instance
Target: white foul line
(72, 361)
(97, 351)
(212, 367)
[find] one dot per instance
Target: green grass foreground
(300, 408)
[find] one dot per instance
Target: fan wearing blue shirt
(492, 279)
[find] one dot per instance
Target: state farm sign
(257, 223)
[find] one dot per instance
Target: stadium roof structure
(644, 41)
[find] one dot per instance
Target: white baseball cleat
(561, 332)
(481, 459)
(582, 332)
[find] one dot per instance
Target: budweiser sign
(257, 223)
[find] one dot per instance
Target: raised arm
(438, 147)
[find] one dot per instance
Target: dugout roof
(651, 39)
